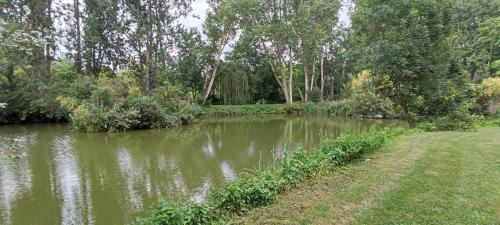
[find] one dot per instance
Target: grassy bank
(427, 178)
(262, 109)
(263, 187)
(144, 113)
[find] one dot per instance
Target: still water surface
(52, 175)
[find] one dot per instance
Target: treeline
(103, 61)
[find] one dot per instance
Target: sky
(200, 8)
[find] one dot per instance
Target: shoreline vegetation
(263, 186)
(406, 182)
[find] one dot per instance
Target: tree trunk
(282, 84)
(290, 77)
(322, 88)
(48, 57)
(306, 81)
(149, 49)
(311, 84)
(208, 87)
(78, 40)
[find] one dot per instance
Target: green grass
(428, 178)
(228, 110)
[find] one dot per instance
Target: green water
(52, 175)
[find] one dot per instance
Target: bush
(426, 126)
(364, 100)
(315, 95)
(488, 94)
(148, 113)
(90, 117)
(365, 105)
(348, 147)
(171, 97)
(246, 192)
(165, 213)
(456, 120)
(495, 113)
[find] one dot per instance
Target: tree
(276, 37)
(221, 26)
(78, 36)
(313, 22)
(150, 33)
(407, 42)
(191, 61)
(484, 60)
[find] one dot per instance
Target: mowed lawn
(430, 178)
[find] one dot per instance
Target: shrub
(89, 117)
(490, 88)
(171, 97)
(495, 113)
(246, 192)
(347, 147)
(456, 120)
(148, 113)
(300, 165)
(165, 213)
(364, 100)
(426, 126)
(315, 95)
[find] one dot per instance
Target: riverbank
(427, 178)
(297, 169)
(262, 187)
(261, 109)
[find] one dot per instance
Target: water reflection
(77, 178)
(15, 171)
(73, 187)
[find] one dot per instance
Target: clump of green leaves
(365, 99)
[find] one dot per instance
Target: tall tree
(407, 43)
(277, 39)
(314, 21)
(41, 21)
(77, 36)
(221, 26)
(150, 34)
(484, 52)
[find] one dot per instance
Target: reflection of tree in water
(85, 177)
(15, 171)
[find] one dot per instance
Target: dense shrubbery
(364, 100)
(262, 188)
(454, 121)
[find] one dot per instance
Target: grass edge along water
(262, 187)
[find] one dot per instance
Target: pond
(50, 174)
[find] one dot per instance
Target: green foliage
(457, 120)
(246, 192)
(234, 85)
(348, 147)
(390, 30)
(490, 88)
(171, 97)
(165, 213)
(31, 101)
(364, 100)
(485, 50)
